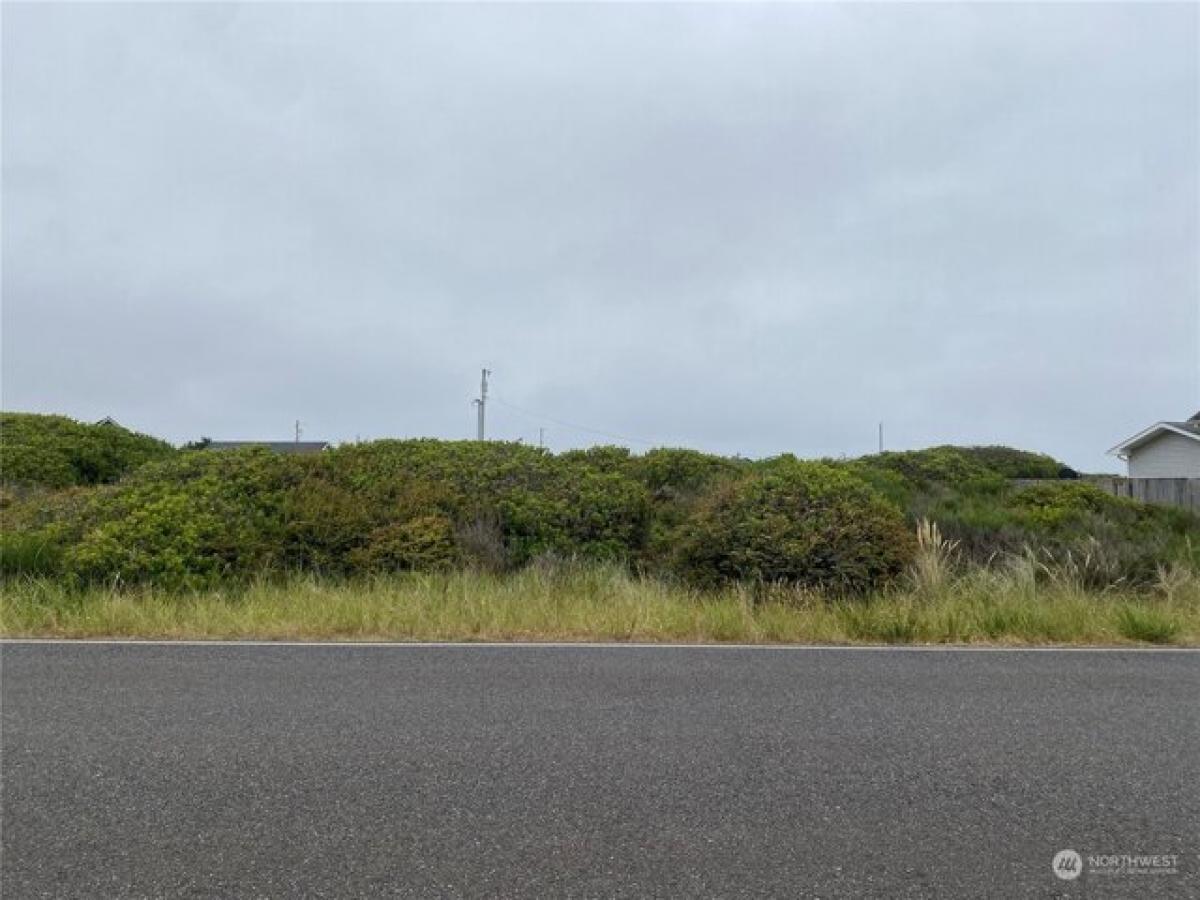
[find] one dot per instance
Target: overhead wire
(573, 425)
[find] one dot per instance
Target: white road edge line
(584, 645)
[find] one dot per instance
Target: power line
(565, 424)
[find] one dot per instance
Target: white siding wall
(1167, 456)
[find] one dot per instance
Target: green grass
(575, 602)
(1148, 625)
(22, 553)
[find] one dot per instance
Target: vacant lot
(108, 533)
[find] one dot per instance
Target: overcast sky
(748, 229)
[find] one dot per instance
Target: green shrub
(807, 524)
(963, 466)
(33, 509)
(57, 452)
(615, 460)
(935, 466)
(1010, 463)
(577, 504)
(187, 521)
(1054, 504)
(675, 471)
(165, 541)
(1106, 538)
(197, 518)
(1070, 525)
(676, 479)
(425, 543)
(323, 524)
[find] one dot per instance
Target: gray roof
(274, 446)
(1191, 425)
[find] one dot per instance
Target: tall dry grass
(933, 570)
(1013, 601)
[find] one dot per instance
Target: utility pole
(481, 405)
(541, 437)
(880, 437)
(297, 431)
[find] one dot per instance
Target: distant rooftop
(273, 446)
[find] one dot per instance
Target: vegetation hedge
(99, 504)
(57, 452)
(972, 494)
(809, 524)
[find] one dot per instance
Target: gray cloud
(745, 228)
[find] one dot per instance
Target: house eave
(1123, 449)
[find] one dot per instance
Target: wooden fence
(1184, 492)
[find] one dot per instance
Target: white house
(1164, 450)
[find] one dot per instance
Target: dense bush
(1052, 505)
(904, 475)
(57, 452)
(539, 502)
(184, 522)
(205, 515)
(922, 469)
(810, 524)
(1107, 538)
(1010, 463)
(424, 543)
(1117, 538)
(198, 517)
(672, 471)
(982, 499)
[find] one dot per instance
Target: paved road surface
(325, 771)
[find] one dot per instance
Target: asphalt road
(327, 771)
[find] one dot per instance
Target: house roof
(1189, 429)
(274, 446)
